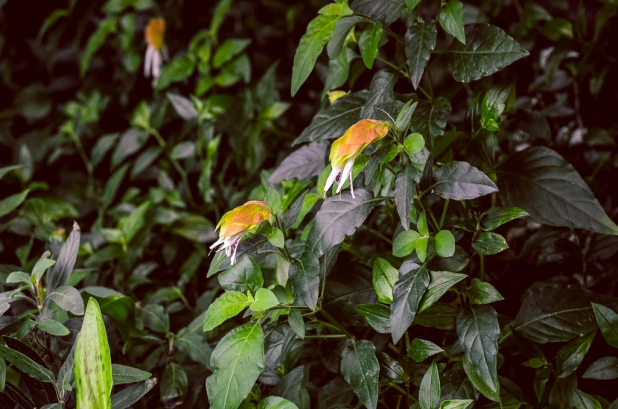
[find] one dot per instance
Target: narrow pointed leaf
(360, 369)
(407, 295)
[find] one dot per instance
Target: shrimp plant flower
(156, 52)
(238, 221)
(346, 149)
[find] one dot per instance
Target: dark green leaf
(11, 203)
(405, 189)
(384, 278)
(53, 327)
(228, 305)
(481, 292)
(377, 316)
(194, 346)
(444, 243)
(390, 368)
(420, 349)
(429, 119)
(339, 217)
(122, 374)
(441, 282)
(112, 186)
(420, 42)
(26, 365)
(290, 386)
(228, 50)
(489, 243)
(429, 392)
(544, 184)
(179, 69)
(452, 19)
(297, 323)
(174, 382)
(608, 323)
(572, 354)
(497, 216)
(156, 318)
(245, 275)
(332, 122)
(236, 363)
(66, 260)
(128, 396)
(604, 369)
(105, 28)
(407, 295)
(380, 92)
(360, 369)
(457, 262)
(2, 374)
(336, 393)
(68, 298)
(131, 141)
(257, 247)
(304, 275)
(541, 377)
(304, 163)
(488, 50)
(342, 29)
(319, 32)
(183, 106)
(368, 44)
(478, 331)
(385, 11)
(462, 181)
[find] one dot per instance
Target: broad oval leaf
(420, 42)
(462, 181)
(245, 275)
(488, 50)
(429, 392)
(174, 382)
(481, 292)
(377, 316)
(489, 243)
(228, 305)
(429, 119)
(380, 92)
(604, 369)
(478, 331)
(275, 402)
(93, 363)
(385, 11)
(264, 299)
(305, 163)
(236, 363)
(339, 217)
(608, 323)
(420, 349)
(545, 185)
(360, 369)
(452, 19)
(68, 298)
(497, 216)
(407, 295)
(571, 355)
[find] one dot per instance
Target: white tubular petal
(148, 61)
(352, 186)
(233, 260)
(331, 179)
(157, 62)
(216, 244)
(347, 172)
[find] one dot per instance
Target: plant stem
(378, 234)
(386, 29)
(444, 209)
(393, 66)
(325, 336)
(86, 160)
(336, 324)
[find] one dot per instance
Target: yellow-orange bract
(155, 33)
(346, 149)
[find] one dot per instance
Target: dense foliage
(410, 204)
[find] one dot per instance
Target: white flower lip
(230, 245)
(346, 174)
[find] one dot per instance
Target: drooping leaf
(572, 354)
(368, 44)
(332, 122)
(420, 42)
(319, 32)
(605, 368)
(297, 323)
(608, 323)
(53, 327)
(275, 402)
(385, 11)
(488, 49)
(405, 189)
(481, 292)
(301, 164)
(228, 305)
(497, 216)
(174, 382)
(304, 275)
(462, 181)
(290, 386)
(545, 185)
(236, 363)
(122, 374)
(26, 365)
(360, 369)
(335, 393)
(93, 363)
(420, 349)
(7, 205)
(407, 295)
(429, 392)
(183, 106)
(452, 19)
(478, 331)
(339, 217)
(342, 29)
(128, 396)
(380, 92)
(377, 316)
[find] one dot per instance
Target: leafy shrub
(439, 235)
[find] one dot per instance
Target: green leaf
(276, 238)
(304, 163)
(384, 278)
(245, 275)
(545, 185)
(128, 396)
(111, 188)
(572, 354)
(183, 106)
(236, 363)
(53, 327)
(457, 262)
(264, 299)
(368, 44)
(179, 69)
(405, 243)
(275, 402)
(228, 305)
(319, 32)
(297, 323)
(194, 346)
(420, 42)
(444, 243)
(377, 316)
(405, 189)
(156, 318)
(407, 295)
(608, 323)
(174, 382)
(488, 50)
(131, 224)
(421, 248)
(183, 150)
(380, 92)
(541, 377)
(489, 243)
(462, 181)
(497, 216)
(12, 202)
(429, 392)
(2, 374)
(441, 282)
(456, 403)
(333, 121)
(557, 28)
(7, 169)
(122, 374)
(481, 292)
(228, 50)
(339, 217)
(93, 363)
(18, 277)
(430, 118)
(132, 140)
(421, 224)
(385, 11)
(414, 143)
(66, 261)
(69, 299)
(290, 386)
(360, 369)
(342, 29)
(478, 331)
(498, 99)
(452, 19)
(304, 275)
(420, 349)
(603, 369)
(41, 265)
(26, 365)
(106, 27)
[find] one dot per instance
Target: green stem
(393, 66)
(378, 234)
(444, 209)
(400, 389)
(325, 336)
(86, 160)
(386, 29)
